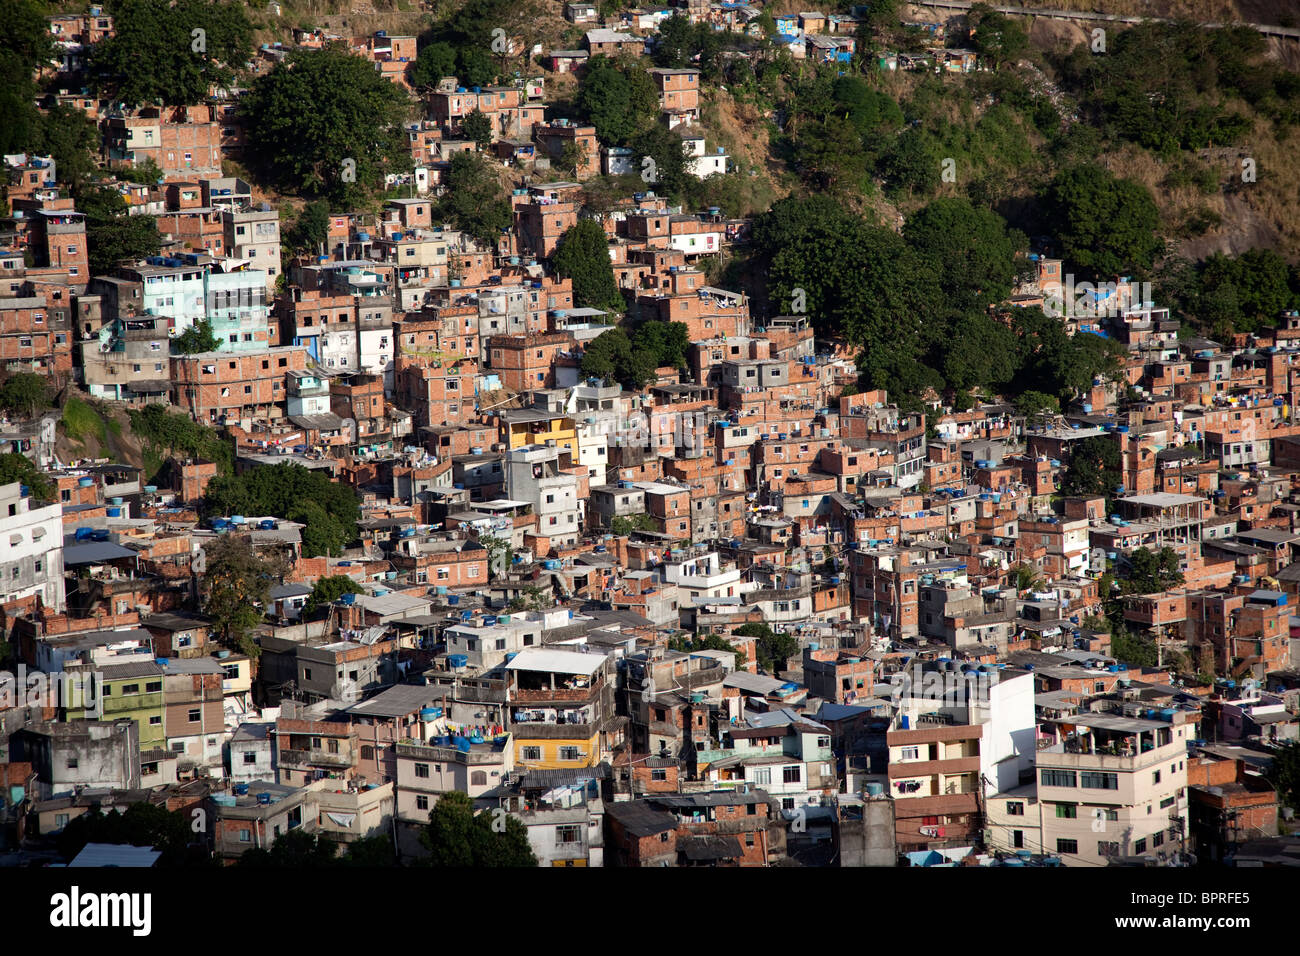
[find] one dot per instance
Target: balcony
(314, 758)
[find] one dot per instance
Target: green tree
(457, 837)
(322, 533)
(1031, 404)
(70, 138)
(610, 356)
(329, 589)
(199, 337)
(617, 98)
(237, 583)
(997, 38)
(25, 393)
(1094, 468)
(328, 509)
(583, 256)
(773, 650)
(112, 235)
(324, 123)
(25, 47)
(1105, 224)
(623, 525)
(1152, 571)
(155, 56)
(478, 128)
(675, 42)
(1133, 650)
(1284, 772)
(140, 824)
(911, 163)
(310, 231)
(432, 63)
(969, 248)
(475, 200)
(295, 848)
(667, 154)
(18, 467)
(666, 342)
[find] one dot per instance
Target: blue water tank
(267, 525)
(241, 789)
(458, 660)
(348, 599)
(905, 722)
(83, 534)
(874, 788)
(461, 743)
(264, 798)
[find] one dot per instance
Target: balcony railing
(315, 757)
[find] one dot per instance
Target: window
(422, 770)
(250, 756)
(911, 753)
(155, 721)
(422, 802)
(1158, 838)
(130, 689)
(1058, 778)
(570, 753)
(194, 715)
(1099, 781)
(1140, 847)
(1067, 846)
(1155, 776)
(568, 833)
(791, 774)
(1067, 811)
(153, 687)
(72, 763)
(659, 774)
(367, 753)
(245, 836)
(763, 776)
(532, 753)
(1015, 808)
(478, 778)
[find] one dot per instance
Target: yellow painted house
(134, 690)
(532, 426)
(560, 706)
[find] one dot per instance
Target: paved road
(1291, 33)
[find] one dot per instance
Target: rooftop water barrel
(462, 744)
(489, 619)
(117, 500)
(264, 798)
(390, 575)
(241, 789)
(115, 512)
(238, 519)
(380, 592)
(875, 788)
(441, 589)
(222, 654)
(430, 713)
(458, 660)
(267, 525)
(453, 599)
(348, 599)
(99, 535)
(225, 799)
(85, 482)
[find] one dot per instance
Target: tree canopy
(610, 356)
(322, 122)
(237, 582)
(329, 510)
(583, 256)
(475, 201)
(199, 337)
(1105, 224)
(617, 98)
(457, 837)
(171, 51)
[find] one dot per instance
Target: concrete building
(31, 549)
